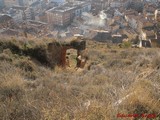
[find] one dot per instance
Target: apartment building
(60, 16)
(64, 15)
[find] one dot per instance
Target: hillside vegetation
(114, 80)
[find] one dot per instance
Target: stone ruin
(57, 52)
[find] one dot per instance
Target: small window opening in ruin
(71, 58)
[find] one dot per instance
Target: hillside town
(113, 21)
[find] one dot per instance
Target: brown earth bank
(115, 81)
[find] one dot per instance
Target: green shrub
(126, 45)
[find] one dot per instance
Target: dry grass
(114, 81)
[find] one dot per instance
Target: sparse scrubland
(114, 80)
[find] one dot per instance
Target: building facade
(60, 16)
(64, 14)
(83, 7)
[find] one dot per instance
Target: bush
(126, 45)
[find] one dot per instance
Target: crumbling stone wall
(54, 54)
(57, 52)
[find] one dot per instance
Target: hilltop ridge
(114, 80)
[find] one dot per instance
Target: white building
(81, 7)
